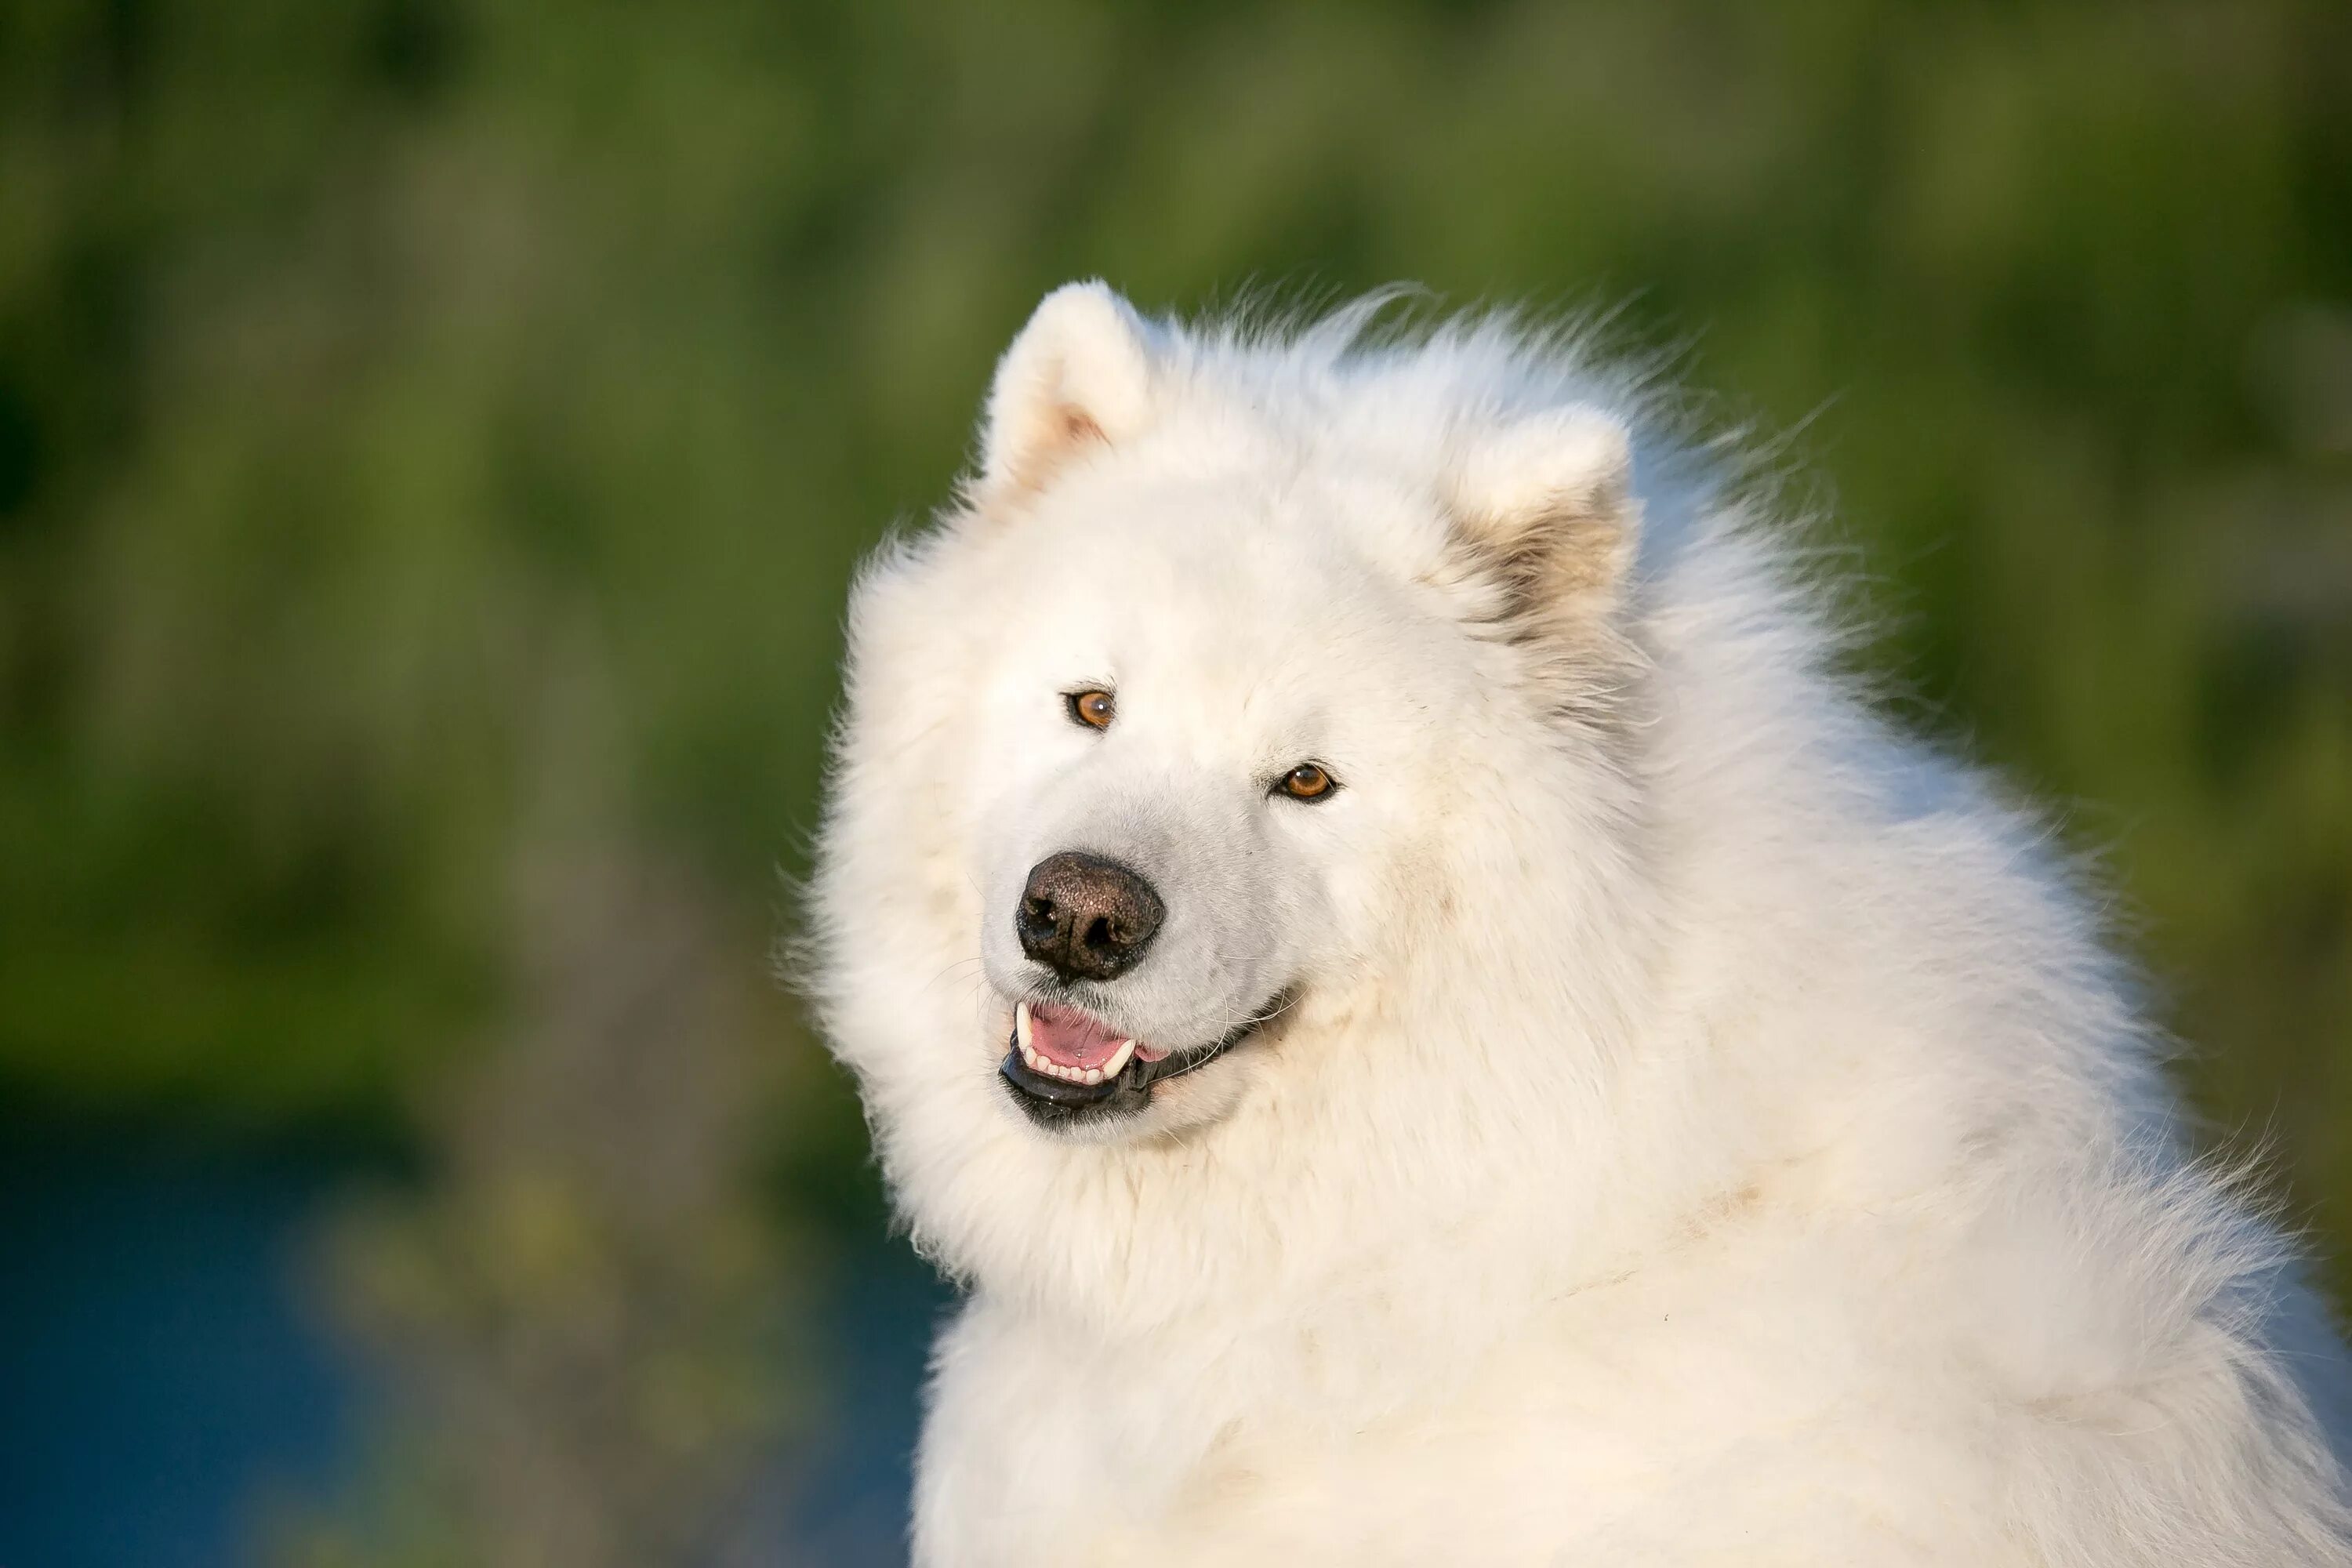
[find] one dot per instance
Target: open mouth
(1065, 1066)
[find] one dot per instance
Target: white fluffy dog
(1437, 1028)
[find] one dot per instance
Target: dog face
(1212, 730)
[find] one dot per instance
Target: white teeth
(1024, 1034)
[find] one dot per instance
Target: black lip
(1058, 1103)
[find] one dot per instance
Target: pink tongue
(1072, 1039)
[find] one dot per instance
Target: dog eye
(1308, 780)
(1093, 708)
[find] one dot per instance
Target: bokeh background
(434, 436)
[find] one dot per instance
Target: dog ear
(1545, 508)
(1079, 374)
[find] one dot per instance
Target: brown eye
(1095, 710)
(1308, 780)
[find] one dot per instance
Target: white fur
(1709, 1129)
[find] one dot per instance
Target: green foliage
(424, 423)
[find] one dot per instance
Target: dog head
(1261, 714)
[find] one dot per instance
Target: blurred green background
(434, 436)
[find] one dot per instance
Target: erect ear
(1545, 508)
(1079, 374)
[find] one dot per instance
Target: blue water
(850, 1510)
(158, 1378)
(164, 1380)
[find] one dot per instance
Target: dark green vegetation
(434, 438)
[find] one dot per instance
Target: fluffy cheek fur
(1502, 841)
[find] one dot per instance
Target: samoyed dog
(1434, 1027)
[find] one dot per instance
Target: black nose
(1087, 917)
